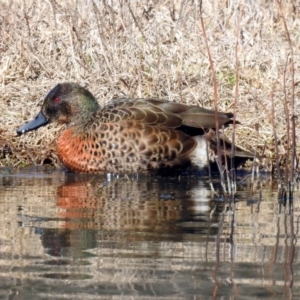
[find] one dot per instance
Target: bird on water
(130, 135)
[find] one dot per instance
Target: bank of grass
(148, 48)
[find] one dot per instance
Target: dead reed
(153, 48)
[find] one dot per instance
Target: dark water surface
(93, 237)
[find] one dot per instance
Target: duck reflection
(121, 209)
(147, 204)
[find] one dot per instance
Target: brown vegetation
(149, 48)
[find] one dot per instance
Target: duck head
(66, 103)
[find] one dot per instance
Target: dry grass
(147, 48)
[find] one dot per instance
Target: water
(96, 237)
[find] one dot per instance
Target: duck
(131, 135)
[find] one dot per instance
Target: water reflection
(144, 205)
(169, 237)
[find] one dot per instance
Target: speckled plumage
(126, 135)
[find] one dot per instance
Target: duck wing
(162, 112)
(194, 116)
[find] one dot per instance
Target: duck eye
(56, 100)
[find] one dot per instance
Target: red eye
(56, 100)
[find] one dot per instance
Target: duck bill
(37, 122)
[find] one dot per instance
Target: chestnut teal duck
(130, 135)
